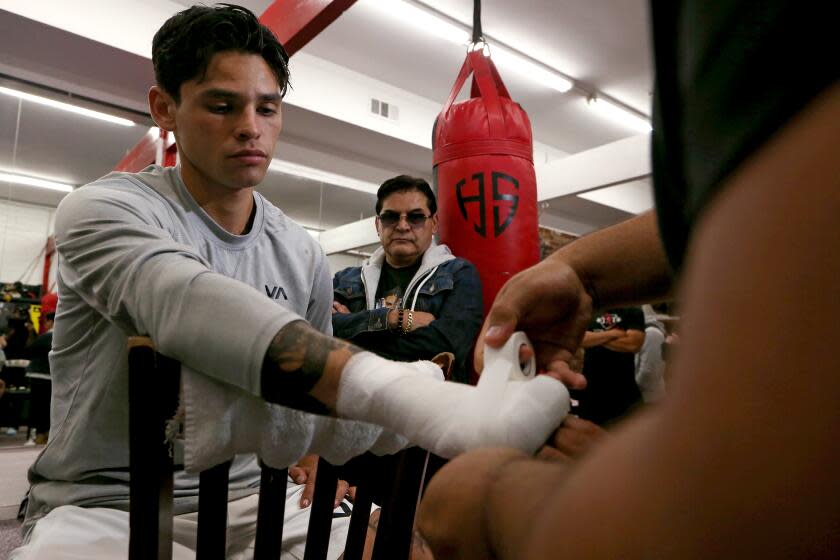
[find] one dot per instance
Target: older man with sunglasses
(412, 299)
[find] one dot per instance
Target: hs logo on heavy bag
(497, 177)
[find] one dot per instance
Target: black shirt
(392, 285)
(611, 391)
(38, 353)
(728, 75)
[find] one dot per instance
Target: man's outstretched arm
(309, 371)
(302, 368)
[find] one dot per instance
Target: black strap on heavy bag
(477, 35)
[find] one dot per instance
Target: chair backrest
(154, 384)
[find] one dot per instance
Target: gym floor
(15, 459)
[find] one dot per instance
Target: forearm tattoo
(296, 360)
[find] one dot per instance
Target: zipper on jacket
(423, 283)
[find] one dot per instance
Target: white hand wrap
(505, 409)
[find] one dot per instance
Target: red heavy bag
(484, 178)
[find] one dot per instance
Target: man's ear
(162, 108)
(377, 225)
(434, 223)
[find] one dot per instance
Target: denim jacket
(445, 286)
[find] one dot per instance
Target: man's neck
(233, 215)
(402, 263)
(232, 209)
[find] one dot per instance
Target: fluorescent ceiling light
(516, 63)
(423, 20)
(322, 176)
(66, 107)
(34, 182)
(429, 22)
(619, 115)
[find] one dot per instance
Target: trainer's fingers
(525, 354)
(493, 333)
(579, 424)
(561, 371)
(577, 436)
(549, 453)
(500, 324)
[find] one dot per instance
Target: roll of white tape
(504, 361)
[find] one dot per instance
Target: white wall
(24, 229)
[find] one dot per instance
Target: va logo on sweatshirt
(275, 292)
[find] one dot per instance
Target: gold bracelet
(407, 330)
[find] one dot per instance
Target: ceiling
(602, 45)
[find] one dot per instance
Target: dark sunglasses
(389, 218)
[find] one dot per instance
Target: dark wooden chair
(154, 383)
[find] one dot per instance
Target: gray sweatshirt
(137, 255)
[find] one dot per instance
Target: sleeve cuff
(378, 319)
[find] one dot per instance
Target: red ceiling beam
(296, 22)
(141, 155)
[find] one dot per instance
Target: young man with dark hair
(412, 299)
(185, 255)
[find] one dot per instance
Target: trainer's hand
(572, 440)
(550, 303)
(450, 517)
